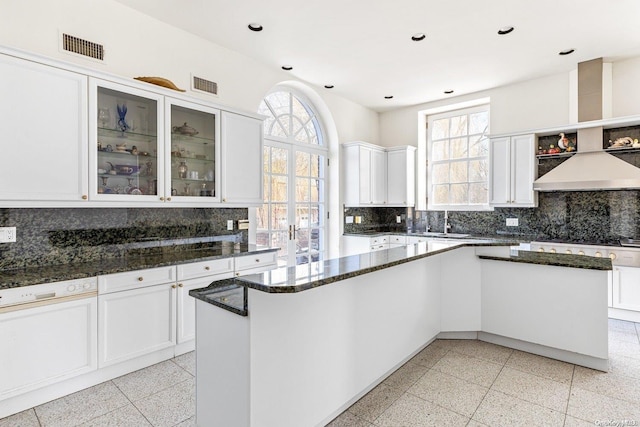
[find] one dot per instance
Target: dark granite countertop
(496, 238)
(559, 260)
(227, 294)
(312, 275)
(133, 260)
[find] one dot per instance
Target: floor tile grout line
(37, 417)
(491, 386)
(166, 388)
(179, 366)
(132, 404)
(566, 408)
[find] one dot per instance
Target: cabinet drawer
(379, 247)
(205, 268)
(379, 240)
(255, 261)
(398, 240)
(135, 279)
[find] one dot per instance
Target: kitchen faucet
(447, 226)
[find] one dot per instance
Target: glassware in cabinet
(194, 150)
(126, 147)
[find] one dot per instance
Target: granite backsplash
(587, 217)
(60, 236)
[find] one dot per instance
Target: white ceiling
(364, 47)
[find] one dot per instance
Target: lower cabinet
(253, 264)
(626, 288)
(46, 344)
(136, 322)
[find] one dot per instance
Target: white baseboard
(630, 316)
(458, 335)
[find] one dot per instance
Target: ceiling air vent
(82, 47)
(204, 85)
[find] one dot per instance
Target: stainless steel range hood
(591, 168)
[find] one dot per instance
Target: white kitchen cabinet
(512, 171)
(256, 263)
(44, 133)
(193, 276)
(46, 344)
(365, 174)
(401, 164)
(242, 141)
(123, 119)
(626, 288)
(135, 320)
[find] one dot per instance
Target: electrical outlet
(358, 219)
(348, 219)
(7, 234)
(230, 225)
(398, 219)
(512, 222)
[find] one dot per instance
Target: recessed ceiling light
(505, 30)
(255, 27)
(418, 37)
(388, 97)
(448, 92)
(566, 52)
(328, 86)
(287, 67)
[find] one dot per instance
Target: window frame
(485, 107)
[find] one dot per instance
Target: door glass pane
(193, 152)
(440, 150)
(458, 148)
(440, 129)
(279, 161)
(279, 188)
(279, 216)
(302, 189)
(315, 165)
(127, 160)
(478, 123)
(302, 163)
(317, 189)
(302, 216)
(302, 240)
(262, 215)
(458, 126)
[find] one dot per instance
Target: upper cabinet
(44, 133)
(512, 171)
(242, 165)
(401, 171)
(126, 143)
(365, 172)
(375, 176)
(78, 140)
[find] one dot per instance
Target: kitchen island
(302, 344)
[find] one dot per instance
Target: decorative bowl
(127, 169)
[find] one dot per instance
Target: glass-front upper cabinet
(126, 149)
(192, 145)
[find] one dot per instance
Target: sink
(446, 235)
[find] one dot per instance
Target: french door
(293, 217)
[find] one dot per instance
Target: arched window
(293, 217)
(290, 119)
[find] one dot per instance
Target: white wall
(626, 87)
(534, 104)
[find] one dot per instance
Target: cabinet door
(135, 323)
(242, 154)
(626, 289)
(44, 132)
(47, 344)
(193, 133)
(126, 143)
(186, 310)
(523, 172)
(378, 177)
(401, 177)
(364, 169)
(500, 171)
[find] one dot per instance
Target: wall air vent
(82, 47)
(203, 85)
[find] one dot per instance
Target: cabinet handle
(224, 200)
(180, 285)
(173, 286)
(257, 260)
(162, 199)
(140, 279)
(84, 197)
(207, 268)
(237, 274)
(168, 199)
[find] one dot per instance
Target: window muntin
(289, 118)
(458, 158)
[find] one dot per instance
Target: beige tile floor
(450, 383)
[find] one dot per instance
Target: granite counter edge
(553, 263)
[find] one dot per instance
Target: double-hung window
(458, 159)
